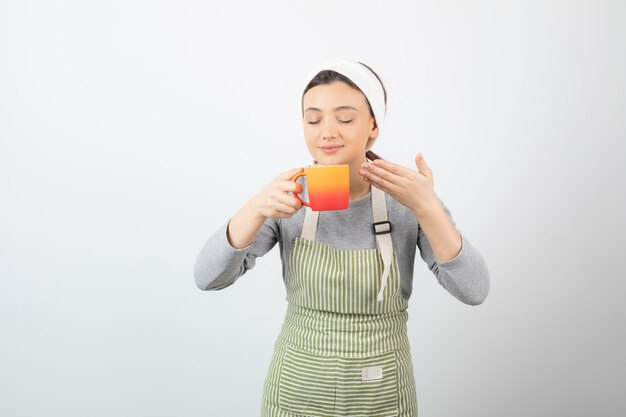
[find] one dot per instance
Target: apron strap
(382, 230)
(310, 223)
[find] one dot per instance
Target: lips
(331, 147)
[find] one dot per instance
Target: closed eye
(340, 121)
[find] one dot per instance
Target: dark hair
(330, 76)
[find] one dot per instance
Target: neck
(359, 188)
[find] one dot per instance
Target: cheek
(356, 132)
(309, 129)
(310, 139)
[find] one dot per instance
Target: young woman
(343, 349)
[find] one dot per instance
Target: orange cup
(328, 187)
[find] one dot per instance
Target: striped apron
(341, 350)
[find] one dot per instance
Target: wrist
(427, 208)
(254, 212)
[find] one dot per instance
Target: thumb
(421, 165)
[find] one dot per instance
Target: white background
(130, 130)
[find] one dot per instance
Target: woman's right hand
(274, 199)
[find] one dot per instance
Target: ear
(374, 129)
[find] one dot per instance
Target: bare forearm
(443, 237)
(244, 226)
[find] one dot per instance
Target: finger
(285, 208)
(395, 169)
(380, 174)
(288, 175)
(422, 166)
(292, 201)
(291, 186)
(288, 199)
(379, 182)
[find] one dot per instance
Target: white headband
(363, 78)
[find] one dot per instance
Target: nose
(329, 128)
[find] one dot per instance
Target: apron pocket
(307, 383)
(327, 386)
(367, 386)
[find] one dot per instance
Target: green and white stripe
(333, 328)
(348, 335)
(325, 278)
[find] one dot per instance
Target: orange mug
(328, 187)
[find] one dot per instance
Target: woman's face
(336, 114)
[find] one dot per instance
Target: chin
(332, 159)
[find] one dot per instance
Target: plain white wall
(130, 130)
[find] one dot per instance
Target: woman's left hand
(414, 189)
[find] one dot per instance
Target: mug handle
(298, 175)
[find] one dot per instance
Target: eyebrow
(336, 108)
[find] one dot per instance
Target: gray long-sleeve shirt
(466, 276)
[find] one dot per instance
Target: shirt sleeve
(465, 276)
(219, 265)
